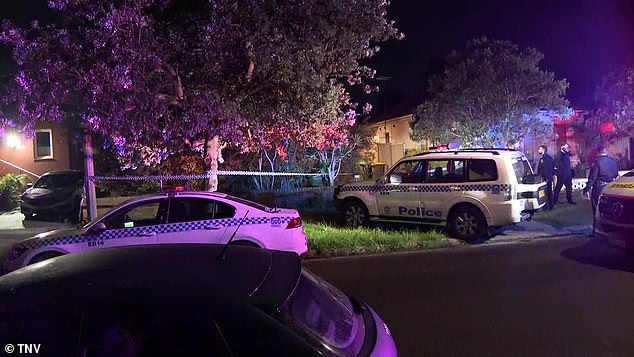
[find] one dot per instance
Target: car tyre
(356, 214)
(44, 256)
(467, 223)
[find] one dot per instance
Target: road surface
(552, 297)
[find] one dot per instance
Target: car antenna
(224, 249)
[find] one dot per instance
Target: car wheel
(44, 256)
(467, 223)
(356, 214)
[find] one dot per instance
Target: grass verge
(565, 214)
(326, 240)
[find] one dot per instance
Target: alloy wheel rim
(354, 216)
(466, 224)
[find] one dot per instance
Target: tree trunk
(212, 153)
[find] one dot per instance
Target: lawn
(326, 239)
(566, 215)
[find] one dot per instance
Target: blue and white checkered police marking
(163, 228)
(494, 188)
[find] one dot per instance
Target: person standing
(564, 174)
(603, 171)
(546, 168)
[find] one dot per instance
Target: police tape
(197, 176)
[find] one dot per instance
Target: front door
(444, 183)
(399, 197)
(135, 224)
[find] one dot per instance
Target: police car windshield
(522, 169)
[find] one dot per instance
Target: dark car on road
(184, 300)
(56, 194)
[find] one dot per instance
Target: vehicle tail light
(294, 223)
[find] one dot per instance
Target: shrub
(11, 186)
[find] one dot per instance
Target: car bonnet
(622, 186)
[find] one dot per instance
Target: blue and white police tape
(197, 176)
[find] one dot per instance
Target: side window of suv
(481, 170)
(457, 171)
(437, 171)
(412, 171)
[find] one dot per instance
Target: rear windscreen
(522, 168)
(323, 314)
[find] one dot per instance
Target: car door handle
(456, 188)
(146, 234)
(213, 228)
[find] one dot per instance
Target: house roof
(404, 107)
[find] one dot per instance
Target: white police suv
(466, 190)
(614, 217)
(172, 217)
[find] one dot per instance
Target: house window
(43, 143)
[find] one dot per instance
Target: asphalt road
(553, 297)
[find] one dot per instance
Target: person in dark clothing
(564, 174)
(603, 171)
(546, 168)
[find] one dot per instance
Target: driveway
(13, 228)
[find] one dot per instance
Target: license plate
(542, 194)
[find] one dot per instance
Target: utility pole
(89, 171)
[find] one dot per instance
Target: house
(392, 139)
(54, 146)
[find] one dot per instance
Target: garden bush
(11, 187)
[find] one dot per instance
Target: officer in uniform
(563, 171)
(546, 168)
(603, 171)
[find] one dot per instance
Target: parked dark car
(56, 194)
(184, 300)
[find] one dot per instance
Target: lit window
(43, 143)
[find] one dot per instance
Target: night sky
(582, 40)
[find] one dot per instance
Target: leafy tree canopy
(493, 92)
(156, 75)
(616, 98)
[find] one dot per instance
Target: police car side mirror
(97, 228)
(29, 184)
(395, 178)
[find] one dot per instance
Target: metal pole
(89, 169)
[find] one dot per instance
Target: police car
(173, 217)
(614, 217)
(467, 191)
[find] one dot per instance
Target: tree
(159, 75)
(615, 96)
(492, 92)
